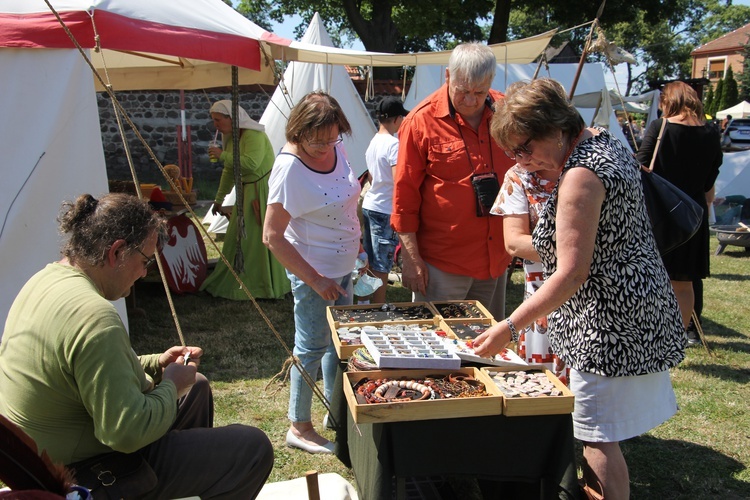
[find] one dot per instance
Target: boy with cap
(379, 239)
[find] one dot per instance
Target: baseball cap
(391, 107)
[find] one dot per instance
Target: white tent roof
(741, 110)
(302, 78)
(517, 52)
(187, 44)
(591, 84)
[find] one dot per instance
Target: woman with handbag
(612, 316)
(262, 274)
(688, 155)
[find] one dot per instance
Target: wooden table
(537, 451)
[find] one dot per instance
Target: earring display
(531, 391)
(347, 339)
(408, 349)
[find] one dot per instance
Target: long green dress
(262, 275)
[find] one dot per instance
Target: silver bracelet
(513, 331)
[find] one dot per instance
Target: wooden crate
(422, 410)
(466, 310)
(358, 312)
(540, 405)
(346, 350)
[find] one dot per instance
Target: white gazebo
(741, 110)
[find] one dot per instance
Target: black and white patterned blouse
(624, 320)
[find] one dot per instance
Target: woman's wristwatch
(513, 331)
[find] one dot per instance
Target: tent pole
(585, 50)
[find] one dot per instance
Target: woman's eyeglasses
(149, 260)
(321, 145)
(520, 152)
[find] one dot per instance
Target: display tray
(515, 405)
(430, 409)
(467, 329)
(368, 314)
(409, 349)
(460, 310)
(347, 339)
(465, 352)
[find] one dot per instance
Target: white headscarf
(225, 108)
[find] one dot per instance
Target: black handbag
(675, 216)
(115, 475)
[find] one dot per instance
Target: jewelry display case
(346, 322)
(530, 391)
(409, 348)
(403, 410)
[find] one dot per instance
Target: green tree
(708, 100)
(718, 98)
(744, 77)
(731, 95)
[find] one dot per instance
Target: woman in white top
(312, 228)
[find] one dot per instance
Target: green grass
(702, 452)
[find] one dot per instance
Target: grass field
(702, 452)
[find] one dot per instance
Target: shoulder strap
(658, 142)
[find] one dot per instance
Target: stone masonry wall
(157, 115)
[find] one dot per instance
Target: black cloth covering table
(529, 449)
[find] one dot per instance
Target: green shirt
(68, 374)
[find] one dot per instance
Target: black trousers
(196, 459)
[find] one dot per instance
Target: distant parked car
(738, 130)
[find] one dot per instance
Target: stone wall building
(156, 115)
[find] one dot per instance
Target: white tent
(302, 78)
(741, 110)
(51, 138)
(734, 175)
(427, 79)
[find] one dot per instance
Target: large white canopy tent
(53, 145)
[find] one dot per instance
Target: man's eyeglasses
(320, 145)
(149, 260)
(520, 152)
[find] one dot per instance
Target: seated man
(70, 379)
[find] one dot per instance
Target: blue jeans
(379, 240)
(312, 344)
